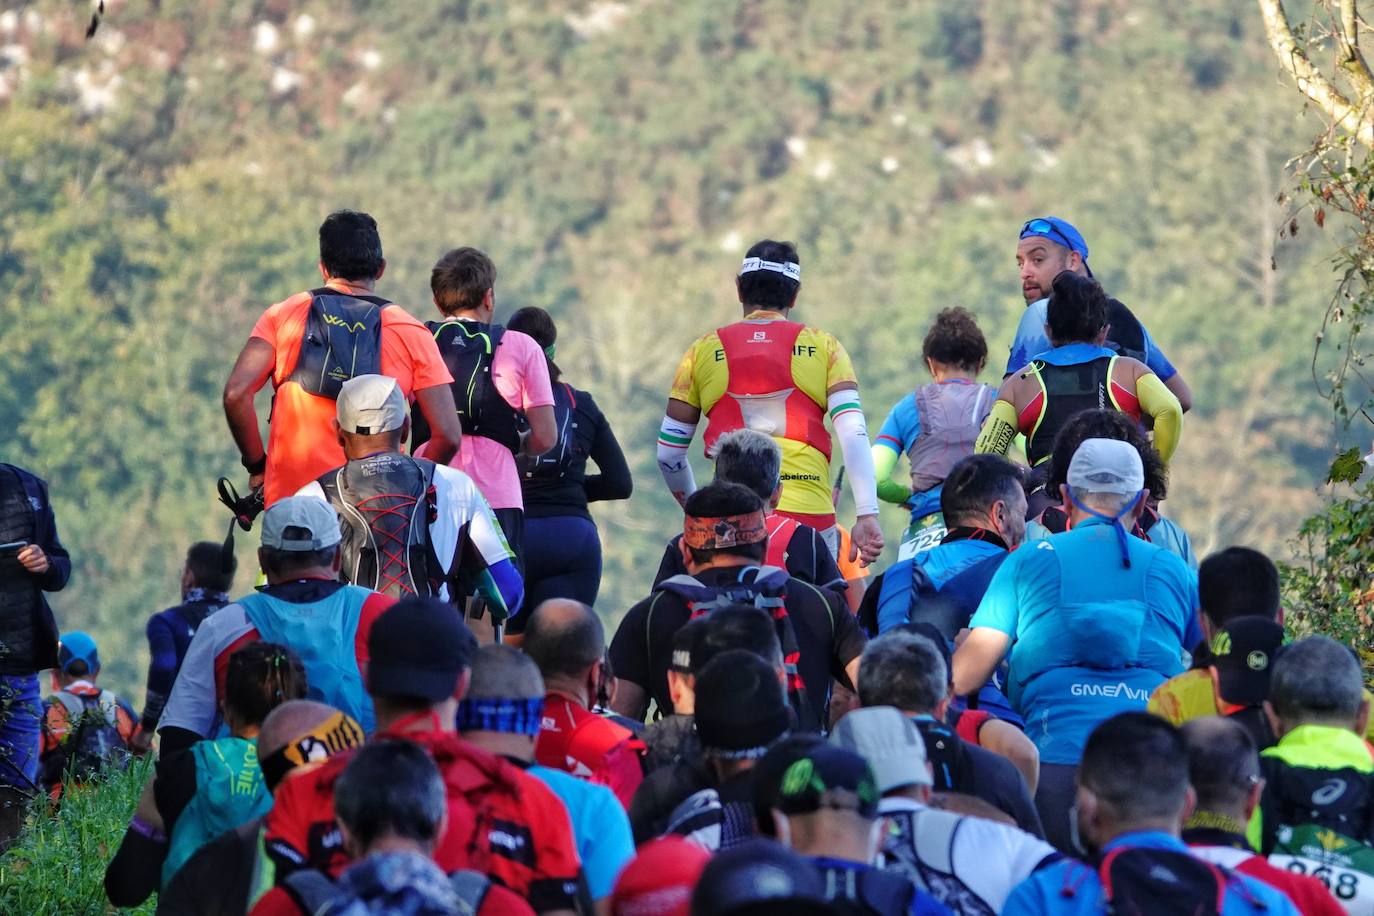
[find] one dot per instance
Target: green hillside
(163, 183)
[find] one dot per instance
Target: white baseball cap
(371, 404)
(312, 522)
(891, 744)
(1107, 466)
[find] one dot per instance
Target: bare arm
(445, 432)
(976, 659)
(543, 430)
(683, 412)
(251, 371)
(1010, 742)
(630, 700)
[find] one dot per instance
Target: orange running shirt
(301, 444)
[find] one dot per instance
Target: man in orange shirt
(313, 342)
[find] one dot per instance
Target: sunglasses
(1046, 228)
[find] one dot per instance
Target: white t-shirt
(967, 863)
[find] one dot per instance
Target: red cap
(660, 880)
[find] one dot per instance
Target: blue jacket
(1031, 341)
(946, 566)
(1090, 636)
(1047, 891)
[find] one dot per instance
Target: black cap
(759, 877)
(419, 647)
(740, 707)
(1242, 654)
(803, 779)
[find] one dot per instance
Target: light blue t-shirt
(1030, 341)
(1091, 637)
(1070, 888)
(600, 826)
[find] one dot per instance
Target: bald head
(1223, 764)
(290, 721)
(505, 673)
(564, 638)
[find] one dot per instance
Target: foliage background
(162, 184)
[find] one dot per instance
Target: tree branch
(1311, 82)
(1351, 60)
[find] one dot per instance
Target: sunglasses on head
(1046, 228)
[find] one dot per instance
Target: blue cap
(77, 646)
(1059, 231)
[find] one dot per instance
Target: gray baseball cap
(889, 741)
(300, 523)
(1107, 466)
(371, 404)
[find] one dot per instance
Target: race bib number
(924, 534)
(1343, 865)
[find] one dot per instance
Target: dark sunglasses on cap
(1046, 228)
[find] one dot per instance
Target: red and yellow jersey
(771, 375)
(1193, 695)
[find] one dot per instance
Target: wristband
(255, 467)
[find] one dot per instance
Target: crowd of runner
(1044, 704)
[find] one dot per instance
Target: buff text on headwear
(786, 268)
(337, 733)
(716, 532)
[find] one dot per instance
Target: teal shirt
(1090, 637)
(230, 792)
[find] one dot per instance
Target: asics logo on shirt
(1331, 790)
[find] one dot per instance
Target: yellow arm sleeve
(1159, 402)
(884, 463)
(999, 429)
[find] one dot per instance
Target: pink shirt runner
(521, 374)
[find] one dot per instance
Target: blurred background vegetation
(162, 184)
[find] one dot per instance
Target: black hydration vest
(1320, 821)
(553, 465)
(343, 339)
(468, 349)
(385, 504)
(20, 600)
(1069, 390)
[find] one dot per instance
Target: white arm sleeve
(847, 416)
(674, 439)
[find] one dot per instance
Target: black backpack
(468, 349)
(867, 892)
(93, 742)
(554, 464)
(1319, 821)
(342, 340)
(950, 762)
(1139, 881)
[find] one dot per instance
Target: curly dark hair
(1077, 310)
(1106, 424)
(956, 340)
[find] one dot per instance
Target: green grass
(57, 865)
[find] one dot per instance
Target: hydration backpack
(342, 340)
(554, 464)
(951, 764)
(1320, 822)
(93, 741)
(763, 587)
(316, 893)
(1139, 881)
(867, 891)
(468, 349)
(1068, 391)
(951, 417)
(386, 503)
(919, 845)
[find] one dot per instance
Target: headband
(713, 533)
(337, 733)
(501, 714)
(786, 268)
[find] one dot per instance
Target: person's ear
(350, 842)
(338, 432)
(1102, 334)
(1189, 805)
(792, 303)
(464, 682)
(686, 552)
(941, 709)
(1064, 495)
(782, 828)
(738, 292)
(324, 272)
(489, 299)
(381, 269)
(1140, 501)
(930, 366)
(336, 564)
(776, 497)
(405, 429)
(1252, 798)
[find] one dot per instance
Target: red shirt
(1309, 895)
(578, 741)
(501, 821)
